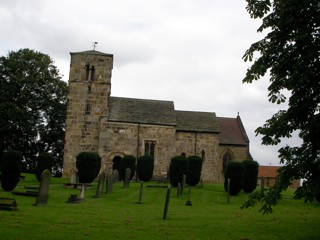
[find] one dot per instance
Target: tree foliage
(145, 165)
(250, 179)
(88, 165)
(10, 170)
(234, 172)
(44, 161)
(289, 55)
(32, 106)
(177, 168)
(128, 161)
(194, 168)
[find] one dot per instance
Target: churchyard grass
(118, 216)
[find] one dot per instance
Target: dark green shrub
(128, 161)
(145, 165)
(10, 170)
(251, 169)
(88, 165)
(178, 168)
(194, 170)
(235, 172)
(44, 161)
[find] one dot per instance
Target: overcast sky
(187, 51)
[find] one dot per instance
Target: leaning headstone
(101, 180)
(127, 178)
(81, 196)
(109, 183)
(140, 194)
(178, 190)
(74, 178)
(166, 205)
(42, 198)
(183, 184)
(189, 203)
(115, 176)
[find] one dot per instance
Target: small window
(87, 71)
(88, 108)
(92, 73)
(149, 148)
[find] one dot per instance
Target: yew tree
(289, 56)
(32, 106)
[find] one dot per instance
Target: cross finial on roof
(94, 45)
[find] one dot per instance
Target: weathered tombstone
(183, 184)
(189, 203)
(42, 198)
(101, 180)
(115, 176)
(81, 196)
(127, 178)
(8, 204)
(74, 174)
(262, 184)
(178, 190)
(140, 194)
(109, 183)
(166, 205)
(228, 201)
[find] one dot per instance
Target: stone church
(117, 126)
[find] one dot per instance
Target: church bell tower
(89, 90)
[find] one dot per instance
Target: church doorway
(116, 163)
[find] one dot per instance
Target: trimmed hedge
(194, 170)
(235, 171)
(128, 161)
(251, 169)
(10, 170)
(44, 161)
(88, 165)
(178, 168)
(145, 165)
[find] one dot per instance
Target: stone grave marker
(42, 198)
(140, 194)
(189, 203)
(115, 176)
(8, 204)
(127, 178)
(109, 183)
(166, 205)
(81, 196)
(101, 180)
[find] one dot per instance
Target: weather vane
(94, 45)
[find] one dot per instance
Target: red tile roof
(232, 131)
(268, 171)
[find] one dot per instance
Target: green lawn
(118, 216)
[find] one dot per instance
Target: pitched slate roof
(92, 52)
(268, 171)
(197, 122)
(232, 131)
(132, 110)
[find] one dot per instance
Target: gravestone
(74, 176)
(8, 204)
(127, 178)
(166, 205)
(189, 203)
(183, 184)
(140, 194)
(42, 198)
(115, 176)
(109, 183)
(101, 180)
(81, 196)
